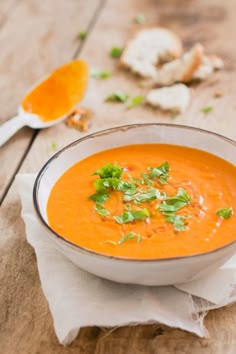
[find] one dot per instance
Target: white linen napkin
(78, 299)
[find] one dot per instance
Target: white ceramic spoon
(24, 119)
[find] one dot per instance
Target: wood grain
(25, 321)
(36, 37)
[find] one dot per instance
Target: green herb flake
(101, 210)
(100, 74)
(117, 96)
(225, 213)
(126, 187)
(144, 196)
(130, 236)
(160, 173)
(109, 171)
(207, 109)
(140, 18)
(82, 35)
(129, 216)
(115, 52)
(53, 146)
(111, 242)
(99, 197)
(101, 185)
(136, 101)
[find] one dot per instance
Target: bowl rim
(101, 133)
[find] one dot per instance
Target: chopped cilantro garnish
(225, 213)
(53, 146)
(130, 236)
(101, 185)
(207, 109)
(144, 195)
(170, 205)
(181, 195)
(160, 173)
(129, 216)
(136, 101)
(125, 238)
(101, 210)
(116, 52)
(140, 18)
(100, 74)
(82, 35)
(126, 187)
(109, 171)
(117, 96)
(177, 221)
(99, 197)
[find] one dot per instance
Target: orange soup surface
(146, 201)
(59, 93)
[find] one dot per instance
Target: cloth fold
(78, 299)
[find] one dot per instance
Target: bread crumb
(182, 69)
(218, 94)
(209, 65)
(173, 98)
(79, 119)
(148, 48)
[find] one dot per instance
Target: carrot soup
(146, 201)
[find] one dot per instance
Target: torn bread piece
(182, 69)
(148, 48)
(172, 98)
(209, 65)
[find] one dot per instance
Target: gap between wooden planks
(25, 315)
(35, 38)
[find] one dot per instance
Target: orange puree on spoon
(59, 92)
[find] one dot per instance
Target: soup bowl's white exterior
(145, 272)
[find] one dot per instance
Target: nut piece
(79, 119)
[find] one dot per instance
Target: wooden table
(37, 36)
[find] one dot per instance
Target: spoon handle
(11, 127)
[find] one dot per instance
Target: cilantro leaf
(178, 221)
(125, 238)
(144, 196)
(53, 146)
(140, 18)
(109, 171)
(129, 216)
(101, 210)
(160, 172)
(136, 101)
(207, 109)
(99, 197)
(101, 185)
(181, 196)
(116, 52)
(126, 187)
(100, 74)
(225, 213)
(130, 236)
(117, 96)
(82, 35)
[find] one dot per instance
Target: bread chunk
(173, 98)
(182, 69)
(148, 48)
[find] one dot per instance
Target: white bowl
(134, 271)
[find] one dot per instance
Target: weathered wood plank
(36, 37)
(25, 315)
